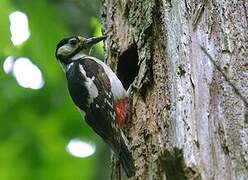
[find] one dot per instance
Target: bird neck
(79, 55)
(76, 57)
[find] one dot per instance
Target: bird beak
(91, 41)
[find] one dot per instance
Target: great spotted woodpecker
(98, 93)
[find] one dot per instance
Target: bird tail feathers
(126, 160)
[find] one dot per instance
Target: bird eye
(73, 41)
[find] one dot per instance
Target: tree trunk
(188, 115)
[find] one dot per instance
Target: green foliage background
(36, 125)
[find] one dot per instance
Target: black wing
(101, 113)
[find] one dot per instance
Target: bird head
(69, 47)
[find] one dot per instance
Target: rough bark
(187, 119)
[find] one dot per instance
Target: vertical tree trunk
(187, 121)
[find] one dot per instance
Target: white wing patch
(90, 85)
(116, 86)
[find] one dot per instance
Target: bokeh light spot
(79, 148)
(19, 27)
(8, 64)
(27, 74)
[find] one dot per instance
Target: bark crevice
(184, 113)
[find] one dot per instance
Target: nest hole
(127, 68)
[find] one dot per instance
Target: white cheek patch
(66, 50)
(90, 85)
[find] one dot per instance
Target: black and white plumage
(98, 93)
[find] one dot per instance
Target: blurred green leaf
(96, 24)
(36, 125)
